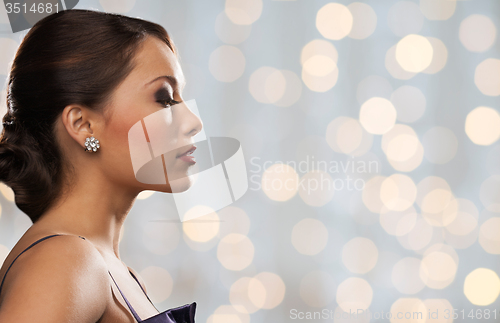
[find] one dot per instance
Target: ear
(80, 122)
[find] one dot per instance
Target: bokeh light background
(402, 97)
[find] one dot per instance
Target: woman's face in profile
(155, 83)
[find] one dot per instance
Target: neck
(95, 209)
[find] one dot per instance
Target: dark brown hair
(69, 57)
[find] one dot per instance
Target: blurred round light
(275, 86)
(414, 53)
(245, 292)
(334, 21)
(228, 314)
(433, 194)
(243, 12)
(398, 223)
(402, 148)
(226, 63)
(318, 188)
(482, 286)
(364, 20)
(270, 85)
(482, 125)
(360, 255)
(159, 283)
(412, 306)
(477, 33)
(398, 192)
(319, 83)
(487, 77)
(235, 251)
(446, 216)
(275, 290)
(280, 182)
(258, 81)
(346, 135)
(309, 236)
(393, 67)
(354, 294)
(377, 115)
(436, 201)
(319, 65)
(438, 270)
(145, 194)
(349, 135)
(438, 9)
(202, 228)
(439, 56)
(318, 47)
(418, 237)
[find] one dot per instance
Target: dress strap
(53, 235)
(136, 316)
(34, 243)
(142, 289)
(126, 301)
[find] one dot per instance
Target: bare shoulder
(61, 279)
(139, 278)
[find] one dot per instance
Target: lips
(190, 150)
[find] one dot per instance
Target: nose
(191, 124)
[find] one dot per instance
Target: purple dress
(181, 314)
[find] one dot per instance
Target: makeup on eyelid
(163, 94)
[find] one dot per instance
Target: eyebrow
(170, 78)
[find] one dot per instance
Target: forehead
(154, 59)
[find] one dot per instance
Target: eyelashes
(164, 97)
(168, 102)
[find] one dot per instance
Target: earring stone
(91, 144)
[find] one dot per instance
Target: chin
(174, 186)
(180, 185)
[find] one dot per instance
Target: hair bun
(21, 165)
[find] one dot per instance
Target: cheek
(117, 135)
(161, 133)
(119, 123)
(115, 146)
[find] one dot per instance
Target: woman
(83, 77)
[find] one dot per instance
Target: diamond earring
(91, 144)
